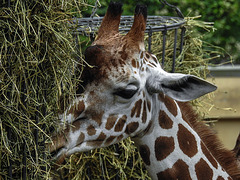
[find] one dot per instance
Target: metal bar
(24, 161)
(178, 11)
(88, 167)
(164, 46)
(174, 51)
(150, 39)
(157, 23)
(9, 130)
(183, 30)
(102, 167)
(44, 168)
(92, 37)
(23, 98)
(118, 152)
(94, 9)
(9, 134)
(77, 46)
(36, 132)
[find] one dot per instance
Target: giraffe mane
(226, 158)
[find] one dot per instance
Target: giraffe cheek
(91, 130)
(111, 120)
(109, 140)
(98, 141)
(77, 109)
(131, 127)
(120, 124)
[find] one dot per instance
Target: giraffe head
(120, 90)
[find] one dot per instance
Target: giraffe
(128, 94)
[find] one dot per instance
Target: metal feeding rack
(89, 26)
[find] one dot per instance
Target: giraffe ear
(179, 87)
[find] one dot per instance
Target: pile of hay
(37, 60)
(39, 73)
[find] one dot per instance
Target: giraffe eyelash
(126, 93)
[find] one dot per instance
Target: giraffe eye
(127, 92)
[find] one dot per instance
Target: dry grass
(37, 60)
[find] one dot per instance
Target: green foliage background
(224, 14)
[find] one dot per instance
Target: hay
(37, 58)
(39, 73)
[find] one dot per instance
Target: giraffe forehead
(117, 50)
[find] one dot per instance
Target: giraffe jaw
(63, 152)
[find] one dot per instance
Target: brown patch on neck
(145, 154)
(169, 103)
(163, 147)
(178, 171)
(223, 156)
(164, 121)
(203, 170)
(209, 155)
(187, 141)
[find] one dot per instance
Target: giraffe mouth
(56, 152)
(57, 147)
(58, 155)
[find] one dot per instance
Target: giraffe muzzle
(57, 147)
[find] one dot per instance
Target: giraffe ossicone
(128, 94)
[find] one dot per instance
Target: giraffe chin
(60, 156)
(63, 153)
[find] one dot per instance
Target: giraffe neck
(172, 149)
